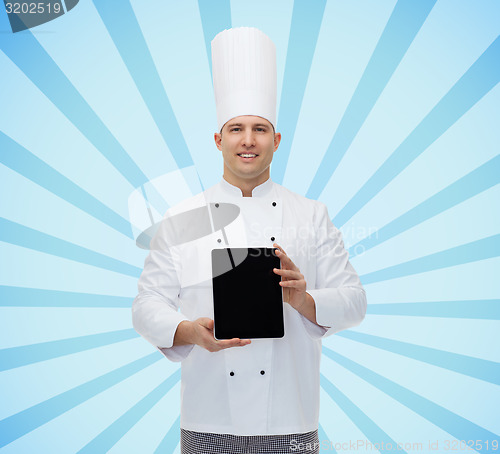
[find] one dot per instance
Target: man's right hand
(201, 332)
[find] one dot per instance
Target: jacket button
(262, 372)
(218, 240)
(231, 373)
(274, 204)
(216, 205)
(272, 238)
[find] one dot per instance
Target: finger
(298, 284)
(244, 342)
(288, 274)
(286, 261)
(279, 250)
(206, 322)
(277, 246)
(227, 343)
(233, 341)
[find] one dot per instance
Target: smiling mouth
(247, 155)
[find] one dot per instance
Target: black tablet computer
(248, 300)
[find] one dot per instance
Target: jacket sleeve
(338, 294)
(155, 313)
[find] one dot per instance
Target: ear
(218, 139)
(277, 140)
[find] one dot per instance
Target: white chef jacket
(270, 386)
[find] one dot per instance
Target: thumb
(206, 322)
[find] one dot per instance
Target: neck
(246, 186)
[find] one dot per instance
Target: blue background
(390, 116)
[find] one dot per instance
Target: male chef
(247, 395)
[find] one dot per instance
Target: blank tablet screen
(248, 301)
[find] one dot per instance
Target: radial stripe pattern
(389, 113)
(404, 23)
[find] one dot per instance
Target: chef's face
(247, 144)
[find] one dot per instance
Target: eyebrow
(240, 124)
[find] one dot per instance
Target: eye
(261, 129)
(234, 129)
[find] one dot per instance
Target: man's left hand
(293, 282)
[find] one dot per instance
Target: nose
(248, 138)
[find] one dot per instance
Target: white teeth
(247, 155)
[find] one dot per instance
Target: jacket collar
(259, 191)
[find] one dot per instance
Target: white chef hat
(244, 74)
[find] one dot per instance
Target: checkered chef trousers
(210, 443)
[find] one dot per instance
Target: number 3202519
(33, 8)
